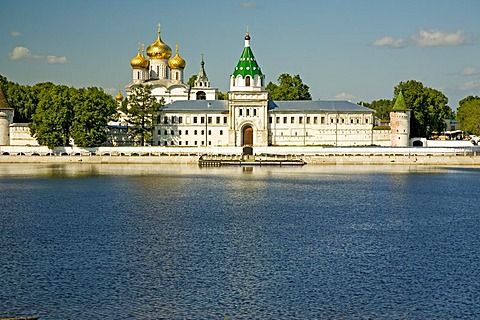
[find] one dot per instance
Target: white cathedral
(193, 115)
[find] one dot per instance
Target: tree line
(58, 114)
(429, 109)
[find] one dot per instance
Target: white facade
(248, 118)
(192, 116)
(251, 120)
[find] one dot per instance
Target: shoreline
(273, 155)
(348, 159)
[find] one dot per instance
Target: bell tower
(248, 102)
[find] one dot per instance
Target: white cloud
(344, 96)
(248, 5)
(390, 42)
(470, 85)
(434, 38)
(425, 38)
(15, 34)
(56, 60)
(470, 71)
(19, 53)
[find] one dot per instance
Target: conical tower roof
(400, 104)
(202, 74)
(247, 65)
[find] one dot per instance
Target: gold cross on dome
(159, 25)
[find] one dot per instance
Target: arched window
(247, 81)
(201, 95)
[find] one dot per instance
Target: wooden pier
(219, 161)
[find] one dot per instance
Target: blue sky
(344, 49)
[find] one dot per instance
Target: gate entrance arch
(247, 136)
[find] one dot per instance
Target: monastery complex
(193, 116)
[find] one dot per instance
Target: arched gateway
(247, 137)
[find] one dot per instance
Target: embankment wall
(467, 156)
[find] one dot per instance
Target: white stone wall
(20, 135)
(248, 109)
(382, 138)
(192, 129)
(334, 129)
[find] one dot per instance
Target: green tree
(289, 88)
(53, 117)
(141, 109)
(222, 96)
(382, 108)
(92, 108)
(21, 98)
(191, 80)
(468, 114)
(429, 108)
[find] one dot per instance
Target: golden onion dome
(139, 61)
(158, 49)
(119, 96)
(177, 62)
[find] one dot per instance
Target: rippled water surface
(181, 242)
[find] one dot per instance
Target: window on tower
(201, 95)
(247, 81)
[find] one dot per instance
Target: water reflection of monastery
(193, 116)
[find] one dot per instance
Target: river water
(182, 242)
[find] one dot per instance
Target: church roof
(247, 65)
(276, 106)
(400, 104)
(317, 105)
(197, 105)
(202, 75)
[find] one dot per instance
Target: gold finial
(159, 25)
(176, 47)
(247, 28)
